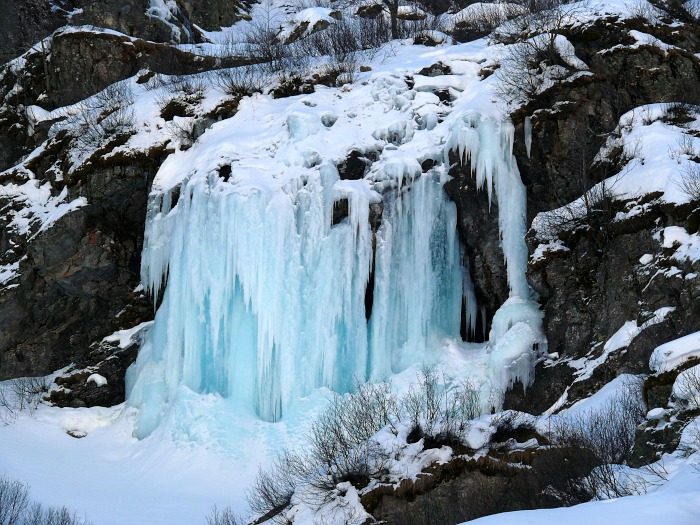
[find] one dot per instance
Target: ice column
(516, 331)
(418, 280)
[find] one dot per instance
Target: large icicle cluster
(267, 299)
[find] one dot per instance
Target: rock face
(26, 22)
(477, 223)
(566, 139)
(590, 291)
(77, 276)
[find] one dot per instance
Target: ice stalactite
(527, 125)
(516, 331)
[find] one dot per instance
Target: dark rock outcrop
(570, 121)
(26, 22)
(77, 276)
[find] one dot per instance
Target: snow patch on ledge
(620, 339)
(674, 353)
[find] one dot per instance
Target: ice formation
(487, 145)
(271, 294)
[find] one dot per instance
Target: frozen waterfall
(274, 291)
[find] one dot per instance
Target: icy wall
(266, 297)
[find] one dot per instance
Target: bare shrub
(644, 11)
(184, 130)
(595, 210)
(53, 516)
(274, 487)
(225, 516)
(689, 182)
(527, 68)
(191, 87)
(340, 42)
(242, 81)
(108, 113)
(609, 434)
(24, 393)
(481, 19)
(17, 508)
(679, 113)
(338, 448)
(340, 439)
(439, 411)
(687, 388)
(14, 500)
(692, 10)
(261, 45)
(533, 60)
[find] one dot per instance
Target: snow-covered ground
(676, 502)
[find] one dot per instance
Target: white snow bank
(620, 339)
(8, 272)
(677, 502)
(686, 245)
(674, 353)
(311, 16)
(127, 337)
(657, 153)
(98, 379)
(38, 209)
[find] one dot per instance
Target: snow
(644, 39)
(544, 249)
(686, 246)
(126, 338)
(657, 154)
(646, 258)
(267, 231)
(97, 379)
(222, 361)
(109, 476)
(38, 210)
(687, 387)
(656, 414)
(601, 398)
(311, 16)
(568, 53)
(674, 353)
(620, 339)
(167, 11)
(676, 501)
(8, 272)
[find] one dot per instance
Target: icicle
(528, 135)
(468, 296)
